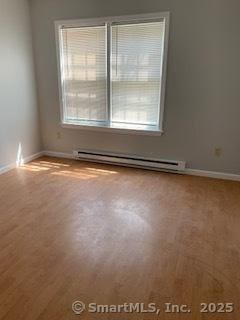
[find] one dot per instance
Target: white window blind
(137, 54)
(113, 71)
(84, 73)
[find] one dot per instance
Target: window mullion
(109, 91)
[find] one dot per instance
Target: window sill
(136, 130)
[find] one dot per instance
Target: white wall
(203, 84)
(19, 118)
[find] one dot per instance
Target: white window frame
(90, 22)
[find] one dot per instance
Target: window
(112, 72)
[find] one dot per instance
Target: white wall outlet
(217, 151)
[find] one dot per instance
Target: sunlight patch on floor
(66, 170)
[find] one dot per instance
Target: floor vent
(130, 161)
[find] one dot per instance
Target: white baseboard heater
(130, 161)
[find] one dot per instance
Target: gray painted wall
(202, 108)
(19, 120)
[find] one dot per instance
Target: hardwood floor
(96, 233)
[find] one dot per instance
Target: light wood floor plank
(73, 230)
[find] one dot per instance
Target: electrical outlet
(217, 151)
(59, 135)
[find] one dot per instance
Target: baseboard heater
(130, 161)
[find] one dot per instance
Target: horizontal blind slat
(136, 72)
(84, 73)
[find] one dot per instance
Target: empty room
(120, 159)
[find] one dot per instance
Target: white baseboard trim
(9, 167)
(187, 171)
(33, 157)
(58, 154)
(212, 174)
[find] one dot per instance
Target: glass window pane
(84, 73)
(137, 54)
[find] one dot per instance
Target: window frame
(108, 21)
